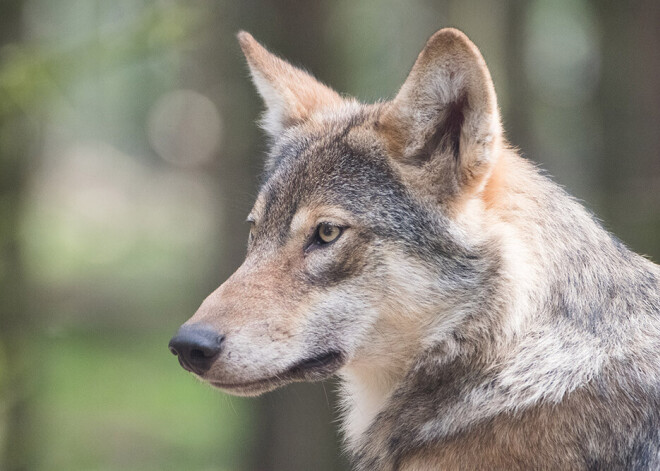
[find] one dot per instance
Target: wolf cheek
(282, 313)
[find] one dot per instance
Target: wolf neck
(367, 385)
(536, 229)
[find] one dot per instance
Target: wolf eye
(327, 233)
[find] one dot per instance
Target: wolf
(477, 316)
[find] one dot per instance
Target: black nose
(196, 346)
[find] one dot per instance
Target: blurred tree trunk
(15, 372)
(518, 117)
(629, 98)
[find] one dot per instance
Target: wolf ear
(444, 123)
(291, 95)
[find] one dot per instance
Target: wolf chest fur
(477, 315)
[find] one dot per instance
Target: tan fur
(518, 441)
(450, 68)
(479, 317)
(292, 94)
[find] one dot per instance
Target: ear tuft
(291, 95)
(245, 40)
(445, 116)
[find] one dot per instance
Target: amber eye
(327, 233)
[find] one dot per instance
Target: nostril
(198, 354)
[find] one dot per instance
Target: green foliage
(112, 401)
(32, 74)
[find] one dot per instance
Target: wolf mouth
(314, 368)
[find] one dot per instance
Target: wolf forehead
(333, 161)
(341, 161)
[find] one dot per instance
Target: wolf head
(366, 232)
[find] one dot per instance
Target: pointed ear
(291, 95)
(444, 123)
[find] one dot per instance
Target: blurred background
(129, 159)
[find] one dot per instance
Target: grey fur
(530, 336)
(596, 298)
